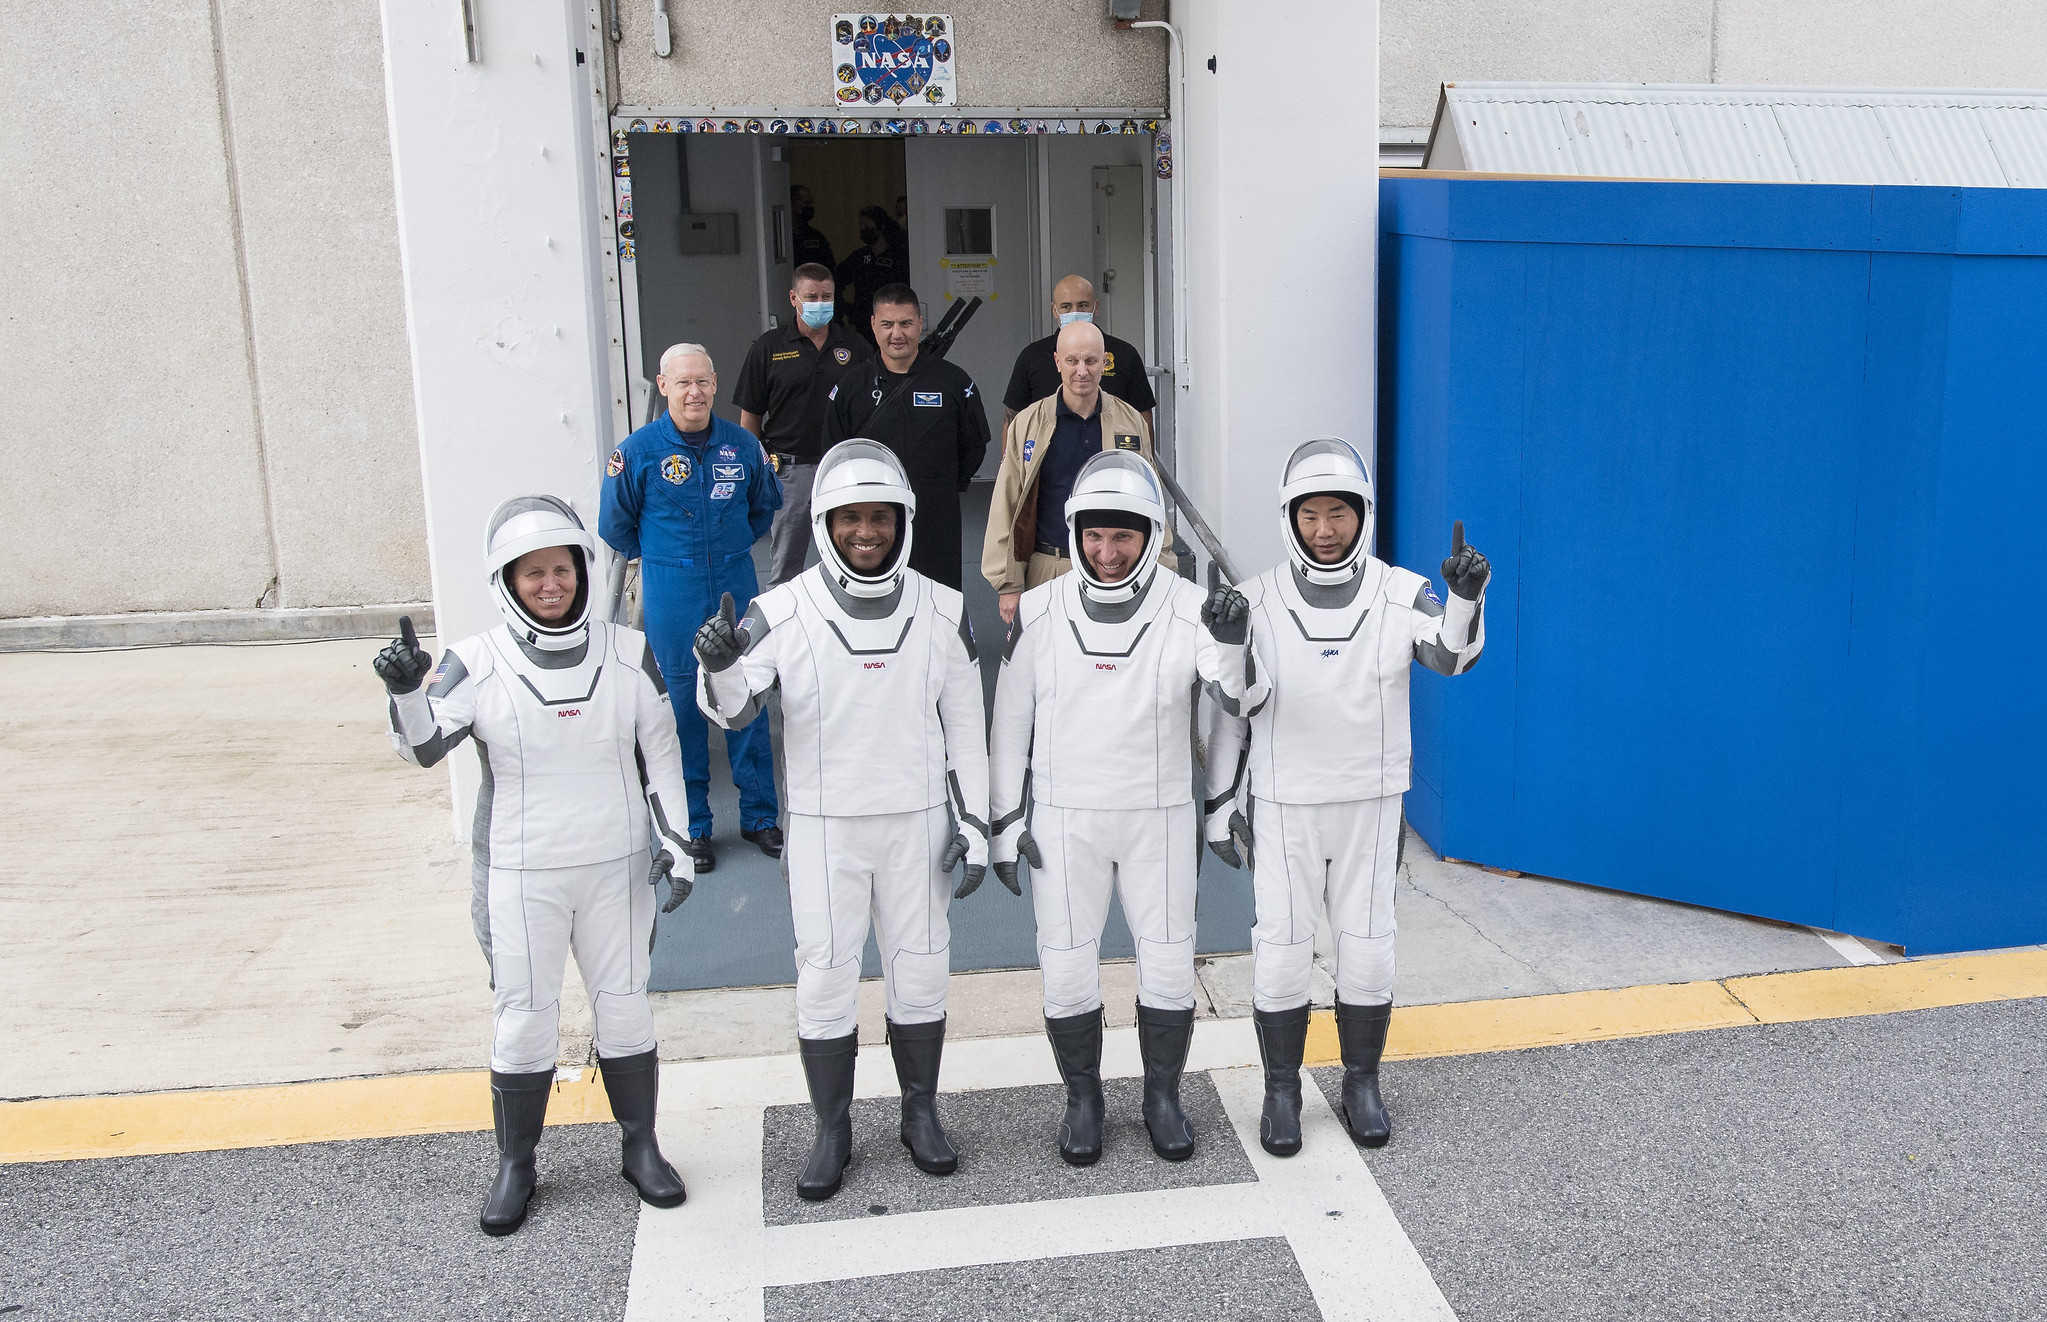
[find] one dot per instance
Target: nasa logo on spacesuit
(566, 712)
(874, 665)
(1429, 591)
(1109, 666)
(676, 468)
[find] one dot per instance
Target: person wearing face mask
(1043, 449)
(783, 390)
(578, 818)
(883, 258)
(810, 244)
(687, 496)
(1319, 770)
(888, 785)
(1091, 780)
(1037, 374)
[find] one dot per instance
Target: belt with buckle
(1056, 552)
(782, 461)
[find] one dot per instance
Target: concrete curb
(84, 633)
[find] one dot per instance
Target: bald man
(1037, 377)
(1043, 448)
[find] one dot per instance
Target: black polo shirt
(813, 246)
(1075, 440)
(789, 381)
(1037, 376)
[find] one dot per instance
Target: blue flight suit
(690, 509)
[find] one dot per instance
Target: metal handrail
(1202, 531)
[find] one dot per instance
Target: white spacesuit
(1327, 761)
(582, 786)
(1092, 776)
(886, 759)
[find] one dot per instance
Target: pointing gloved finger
(1456, 536)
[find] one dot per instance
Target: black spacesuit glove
(1235, 848)
(1466, 571)
(970, 881)
(1227, 616)
(403, 664)
(678, 887)
(718, 645)
(1027, 852)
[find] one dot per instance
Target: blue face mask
(1068, 318)
(817, 314)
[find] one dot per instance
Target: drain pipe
(1178, 73)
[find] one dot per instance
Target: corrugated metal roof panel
(1820, 135)
(2019, 137)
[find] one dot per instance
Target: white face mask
(1068, 318)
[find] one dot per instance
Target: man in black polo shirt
(783, 391)
(929, 412)
(1037, 377)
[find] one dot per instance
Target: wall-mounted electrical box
(709, 233)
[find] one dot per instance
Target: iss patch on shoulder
(616, 464)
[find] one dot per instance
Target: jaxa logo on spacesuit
(1329, 653)
(676, 468)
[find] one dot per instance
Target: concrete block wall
(204, 346)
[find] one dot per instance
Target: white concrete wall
(775, 52)
(204, 354)
(1271, 364)
(1816, 43)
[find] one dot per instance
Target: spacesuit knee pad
(828, 999)
(1364, 969)
(1280, 973)
(526, 1041)
(1165, 974)
(1073, 978)
(624, 1023)
(917, 984)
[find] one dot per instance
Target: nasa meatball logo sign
(890, 60)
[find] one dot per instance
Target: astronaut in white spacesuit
(1093, 782)
(580, 814)
(886, 756)
(1324, 766)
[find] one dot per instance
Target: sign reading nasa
(894, 59)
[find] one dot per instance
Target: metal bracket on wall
(664, 44)
(469, 29)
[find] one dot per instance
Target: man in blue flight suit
(688, 495)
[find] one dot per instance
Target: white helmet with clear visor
(525, 524)
(1327, 466)
(1116, 488)
(859, 472)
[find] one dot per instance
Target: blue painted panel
(1744, 458)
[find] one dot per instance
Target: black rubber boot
(1361, 1031)
(828, 1069)
(1282, 1036)
(518, 1107)
(917, 1048)
(1162, 1038)
(1077, 1047)
(633, 1083)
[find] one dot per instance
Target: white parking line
(1849, 948)
(703, 1260)
(1358, 1261)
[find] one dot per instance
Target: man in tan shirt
(1043, 447)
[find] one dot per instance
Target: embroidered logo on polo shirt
(844, 355)
(785, 357)
(676, 468)
(928, 399)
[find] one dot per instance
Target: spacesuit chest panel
(1335, 727)
(561, 749)
(1113, 704)
(860, 710)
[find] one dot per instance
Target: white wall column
(496, 166)
(1278, 148)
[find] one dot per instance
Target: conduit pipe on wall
(1175, 112)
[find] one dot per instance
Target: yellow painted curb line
(1471, 1027)
(211, 1119)
(143, 1124)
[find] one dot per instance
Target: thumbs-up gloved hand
(1227, 614)
(403, 664)
(1466, 571)
(718, 644)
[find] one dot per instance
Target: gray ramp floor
(1862, 1168)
